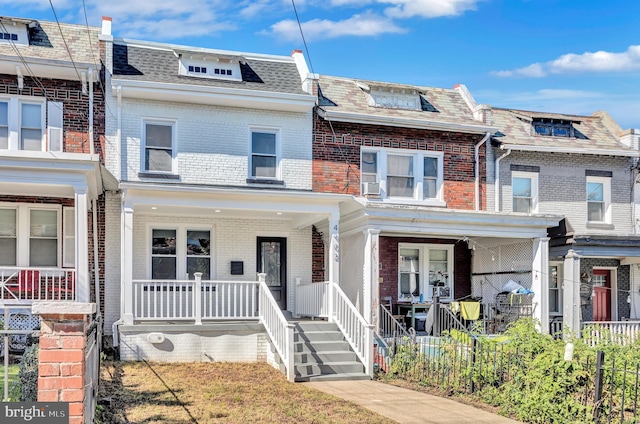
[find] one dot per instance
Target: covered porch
(222, 270)
(411, 253)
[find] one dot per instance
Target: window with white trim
(403, 174)
(30, 235)
(69, 237)
(524, 187)
(425, 269)
(23, 124)
(158, 146)
(555, 289)
(598, 199)
(264, 159)
(178, 253)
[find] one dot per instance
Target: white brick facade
(232, 240)
(213, 143)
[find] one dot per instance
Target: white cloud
(428, 8)
(358, 25)
(589, 62)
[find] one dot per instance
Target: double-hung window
(178, 252)
(23, 121)
(31, 235)
(598, 199)
(524, 186)
(403, 174)
(264, 158)
(159, 146)
(425, 269)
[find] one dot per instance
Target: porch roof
(414, 220)
(304, 208)
(52, 174)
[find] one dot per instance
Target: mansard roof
(595, 134)
(436, 107)
(160, 63)
(47, 42)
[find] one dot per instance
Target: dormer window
(15, 31)
(210, 66)
(553, 127)
(396, 99)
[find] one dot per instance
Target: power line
(55, 15)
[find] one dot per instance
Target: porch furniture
(412, 307)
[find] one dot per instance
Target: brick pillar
(61, 369)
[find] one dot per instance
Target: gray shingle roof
(440, 105)
(46, 42)
(593, 131)
(141, 63)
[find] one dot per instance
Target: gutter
(476, 152)
(119, 133)
(91, 140)
(497, 179)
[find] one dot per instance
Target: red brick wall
(389, 261)
(75, 110)
(336, 160)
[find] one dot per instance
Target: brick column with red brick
(63, 339)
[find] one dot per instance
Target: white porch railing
(357, 331)
(312, 299)
(195, 300)
(279, 330)
(617, 332)
(29, 284)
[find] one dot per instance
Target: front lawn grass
(144, 392)
(13, 377)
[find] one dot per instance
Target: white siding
(112, 261)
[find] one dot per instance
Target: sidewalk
(406, 406)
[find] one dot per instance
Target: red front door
(602, 295)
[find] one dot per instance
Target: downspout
(91, 146)
(119, 133)
(96, 266)
(497, 179)
(477, 176)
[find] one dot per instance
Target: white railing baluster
(618, 332)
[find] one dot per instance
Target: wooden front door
(272, 260)
(601, 295)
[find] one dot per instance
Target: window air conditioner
(371, 189)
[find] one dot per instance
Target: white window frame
(418, 174)
(181, 247)
(14, 119)
(278, 155)
(559, 286)
(69, 236)
(143, 143)
(425, 288)
(533, 177)
(606, 194)
(23, 230)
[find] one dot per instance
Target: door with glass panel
(272, 260)
(601, 295)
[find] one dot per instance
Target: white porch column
(333, 261)
(83, 282)
(370, 291)
(540, 282)
(127, 263)
(571, 294)
(334, 248)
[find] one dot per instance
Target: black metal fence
(535, 385)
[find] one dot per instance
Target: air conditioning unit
(371, 189)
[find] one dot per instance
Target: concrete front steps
(322, 353)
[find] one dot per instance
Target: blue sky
(568, 56)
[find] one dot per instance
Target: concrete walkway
(406, 406)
